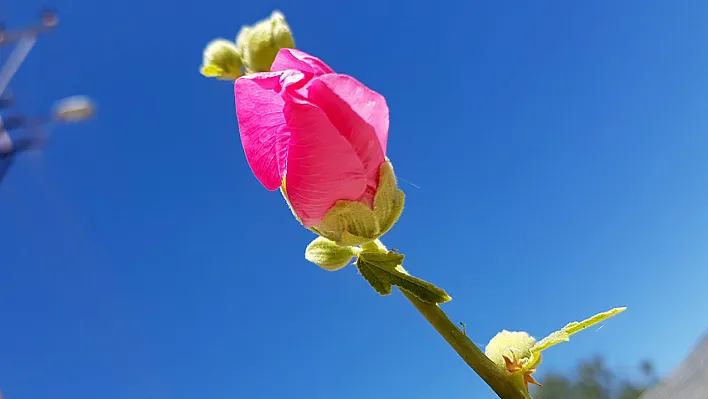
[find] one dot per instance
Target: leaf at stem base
(384, 270)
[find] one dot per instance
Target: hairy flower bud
(519, 354)
(510, 344)
(328, 255)
(222, 60)
(260, 43)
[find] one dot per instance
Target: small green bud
(222, 60)
(260, 43)
(512, 345)
(328, 255)
(350, 223)
(512, 351)
(519, 354)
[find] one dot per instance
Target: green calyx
(352, 229)
(222, 60)
(351, 223)
(260, 43)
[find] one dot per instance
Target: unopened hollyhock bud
(519, 354)
(328, 255)
(222, 60)
(512, 352)
(321, 137)
(259, 44)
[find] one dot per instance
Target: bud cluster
(254, 50)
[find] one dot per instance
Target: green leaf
(380, 284)
(383, 270)
(564, 334)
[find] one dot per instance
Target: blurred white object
(49, 20)
(74, 109)
(15, 60)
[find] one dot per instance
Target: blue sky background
(559, 147)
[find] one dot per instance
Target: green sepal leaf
(383, 270)
(353, 223)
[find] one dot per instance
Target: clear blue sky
(559, 147)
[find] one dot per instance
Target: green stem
(468, 351)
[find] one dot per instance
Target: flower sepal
(350, 223)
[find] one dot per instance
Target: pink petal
(359, 114)
(322, 165)
(264, 133)
(288, 58)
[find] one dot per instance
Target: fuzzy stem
(468, 351)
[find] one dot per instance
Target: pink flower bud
(326, 131)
